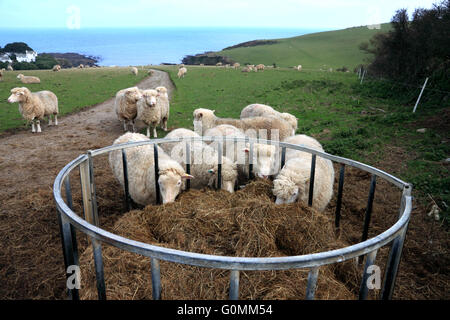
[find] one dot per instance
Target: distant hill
(331, 49)
(70, 59)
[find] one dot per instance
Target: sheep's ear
(187, 176)
(211, 171)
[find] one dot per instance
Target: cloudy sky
(323, 14)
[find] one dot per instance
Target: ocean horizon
(141, 46)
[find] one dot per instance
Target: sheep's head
(150, 97)
(229, 175)
(170, 182)
(162, 91)
(266, 159)
(133, 94)
(19, 76)
(285, 190)
(292, 120)
(19, 95)
(203, 120)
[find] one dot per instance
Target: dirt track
(29, 163)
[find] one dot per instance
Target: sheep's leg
(148, 131)
(154, 132)
(33, 129)
(125, 125)
(38, 124)
(56, 119)
(132, 125)
(49, 119)
(165, 124)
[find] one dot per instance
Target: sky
(302, 14)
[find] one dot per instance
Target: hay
(246, 223)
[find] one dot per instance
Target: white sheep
(56, 67)
(162, 101)
(28, 79)
(141, 171)
(81, 66)
(34, 106)
(181, 72)
(204, 165)
(298, 68)
(262, 110)
(236, 65)
(177, 133)
(265, 127)
(148, 111)
(292, 183)
(125, 105)
(219, 64)
(134, 71)
(260, 67)
(265, 157)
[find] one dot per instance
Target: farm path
(29, 163)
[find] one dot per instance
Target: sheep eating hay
(141, 172)
(266, 128)
(34, 106)
(292, 183)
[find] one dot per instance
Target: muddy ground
(31, 262)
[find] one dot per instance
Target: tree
(17, 47)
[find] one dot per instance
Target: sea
(141, 46)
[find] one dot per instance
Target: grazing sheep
(298, 68)
(126, 105)
(292, 183)
(81, 66)
(177, 133)
(181, 72)
(34, 106)
(266, 127)
(134, 71)
(150, 72)
(260, 67)
(219, 64)
(262, 110)
(28, 79)
(246, 69)
(141, 171)
(204, 165)
(162, 101)
(56, 67)
(236, 65)
(148, 111)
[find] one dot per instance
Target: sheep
(141, 172)
(181, 72)
(246, 69)
(204, 165)
(265, 157)
(162, 100)
(260, 67)
(28, 79)
(292, 183)
(134, 71)
(177, 133)
(267, 127)
(150, 72)
(219, 64)
(34, 106)
(236, 65)
(148, 111)
(81, 66)
(262, 110)
(125, 105)
(56, 67)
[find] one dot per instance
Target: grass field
(361, 122)
(75, 88)
(332, 49)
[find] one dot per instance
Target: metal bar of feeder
(283, 157)
(188, 164)
(92, 189)
(99, 271)
(364, 289)
(250, 161)
(369, 207)
(234, 285)
(125, 181)
(219, 165)
(311, 180)
(312, 283)
(155, 156)
(339, 197)
(156, 279)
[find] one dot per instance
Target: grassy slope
(313, 51)
(346, 117)
(75, 89)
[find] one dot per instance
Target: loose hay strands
(246, 223)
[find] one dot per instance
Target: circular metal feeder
(70, 222)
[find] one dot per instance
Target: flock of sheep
(291, 182)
